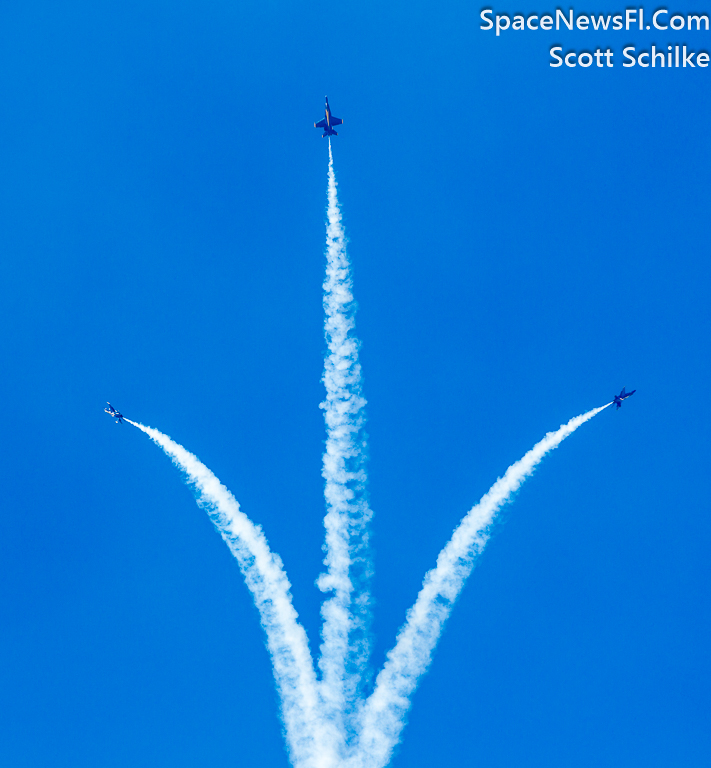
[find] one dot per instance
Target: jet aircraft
(328, 122)
(114, 413)
(622, 396)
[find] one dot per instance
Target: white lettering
(499, 27)
(488, 21)
(559, 15)
(627, 56)
(600, 21)
(654, 20)
(698, 20)
(555, 56)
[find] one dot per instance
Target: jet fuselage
(328, 122)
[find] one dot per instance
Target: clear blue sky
(525, 241)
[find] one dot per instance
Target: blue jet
(622, 396)
(114, 413)
(328, 122)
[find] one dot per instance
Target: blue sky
(525, 241)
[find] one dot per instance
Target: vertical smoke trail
(345, 646)
(384, 713)
(328, 723)
(312, 742)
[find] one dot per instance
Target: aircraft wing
(335, 120)
(321, 124)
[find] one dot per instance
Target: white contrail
(328, 722)
(385, 710)
(312, 741)
(346, 613)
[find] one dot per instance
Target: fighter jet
(328, 122)
(114, 413)
(622, 396)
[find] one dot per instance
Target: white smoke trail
(312, 742)
(385, 710)
(327, 722)
(346, 613)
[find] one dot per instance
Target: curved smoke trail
(346, 613)
(385, 711)
(312, 742)
(327, 722)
